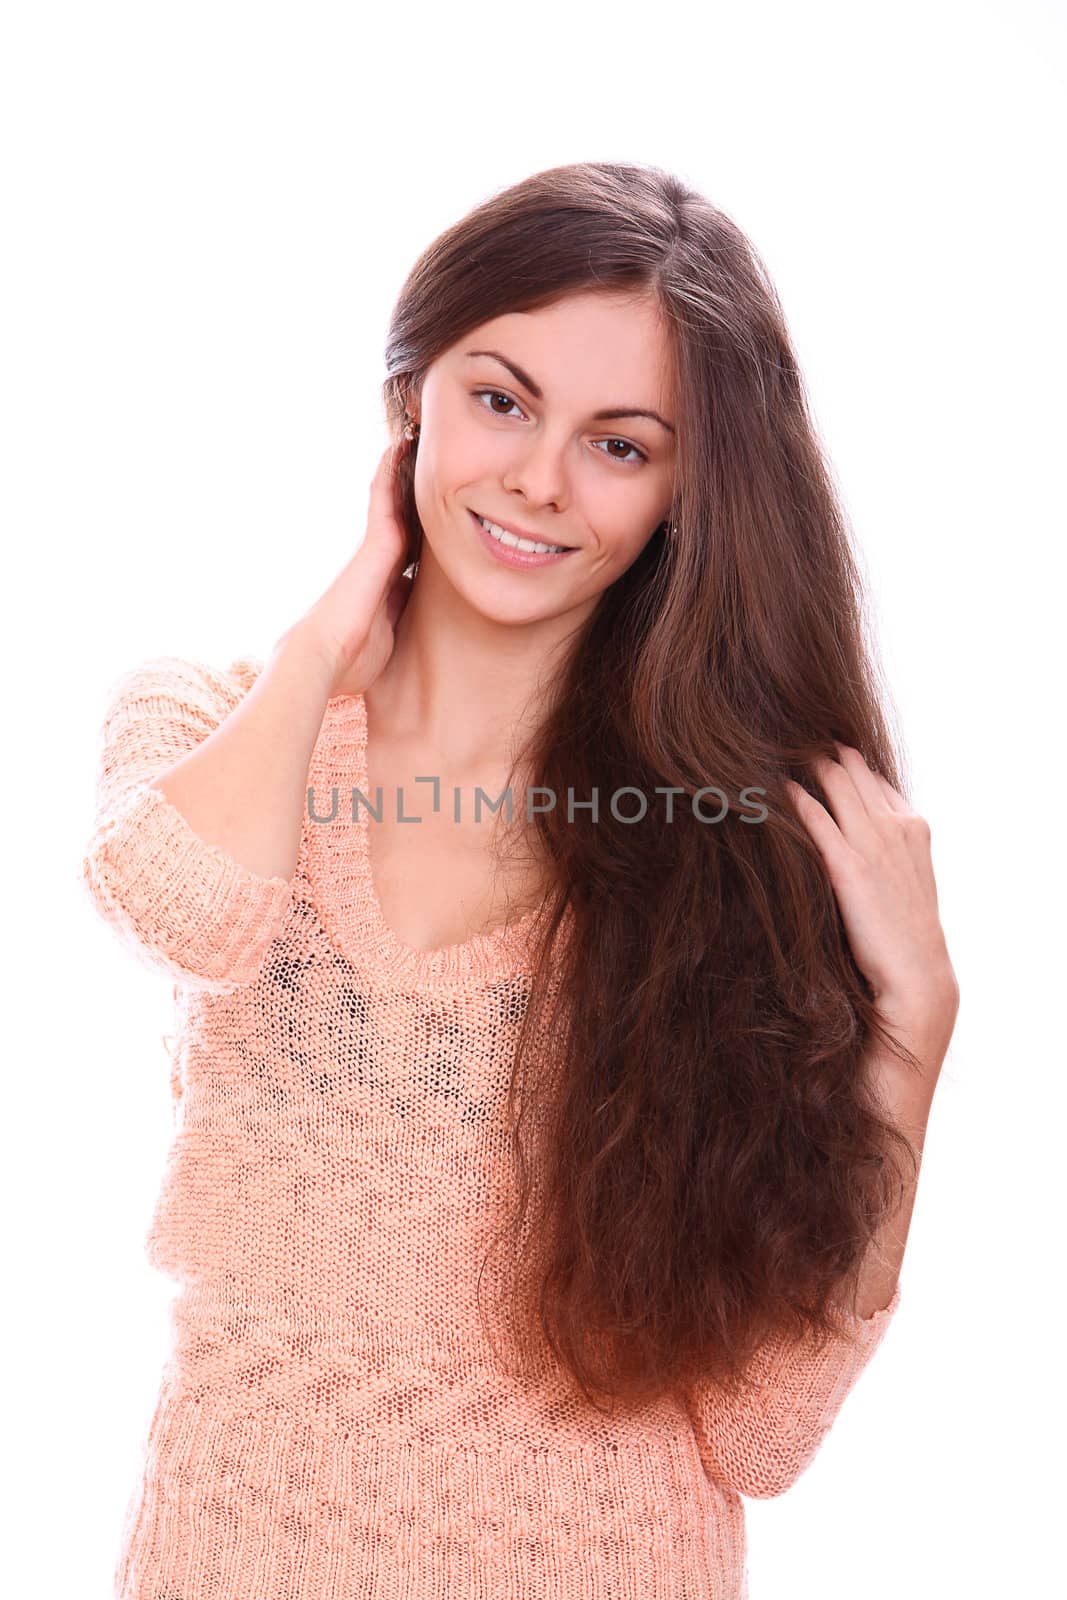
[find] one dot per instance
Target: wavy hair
(709, 1160)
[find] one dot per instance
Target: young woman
(542, 1173)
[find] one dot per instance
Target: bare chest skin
(437, 880)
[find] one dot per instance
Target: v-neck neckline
(339, 870)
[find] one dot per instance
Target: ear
(413, 403)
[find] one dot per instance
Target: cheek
(619, 551)
(624, 544)
(454, 462)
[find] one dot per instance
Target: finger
(818, 821)
(845, 800)
(868, 782)
(388, 462)
(893, 799)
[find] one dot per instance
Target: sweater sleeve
(760, 1443)
(183, 906)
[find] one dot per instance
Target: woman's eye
(494, 394)
(638, 455)
(498, 394)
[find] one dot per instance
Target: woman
(698, 962)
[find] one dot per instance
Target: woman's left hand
(877, 855)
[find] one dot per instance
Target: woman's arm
(907, 1098)
(200, 793)
(759, 1444)
(877, 853)
(201, 780)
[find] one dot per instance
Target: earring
(411, 431)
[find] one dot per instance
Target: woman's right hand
(352, 624)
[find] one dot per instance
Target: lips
(521, 533)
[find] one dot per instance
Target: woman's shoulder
(245, 670)
(185, 680)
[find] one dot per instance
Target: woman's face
(530, 453)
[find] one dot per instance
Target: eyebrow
(606, 415)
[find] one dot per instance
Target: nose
(538, 473)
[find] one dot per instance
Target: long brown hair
(711, 1161)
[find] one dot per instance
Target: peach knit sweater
(331, 1422)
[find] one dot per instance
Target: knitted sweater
(332, 1421)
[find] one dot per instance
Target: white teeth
(518, 544)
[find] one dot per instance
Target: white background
(208, 212)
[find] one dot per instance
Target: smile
(505, 536)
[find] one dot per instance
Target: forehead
(591, 347)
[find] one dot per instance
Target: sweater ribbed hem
(248, 1508)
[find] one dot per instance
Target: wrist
(305, 643)
(926, 1004)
